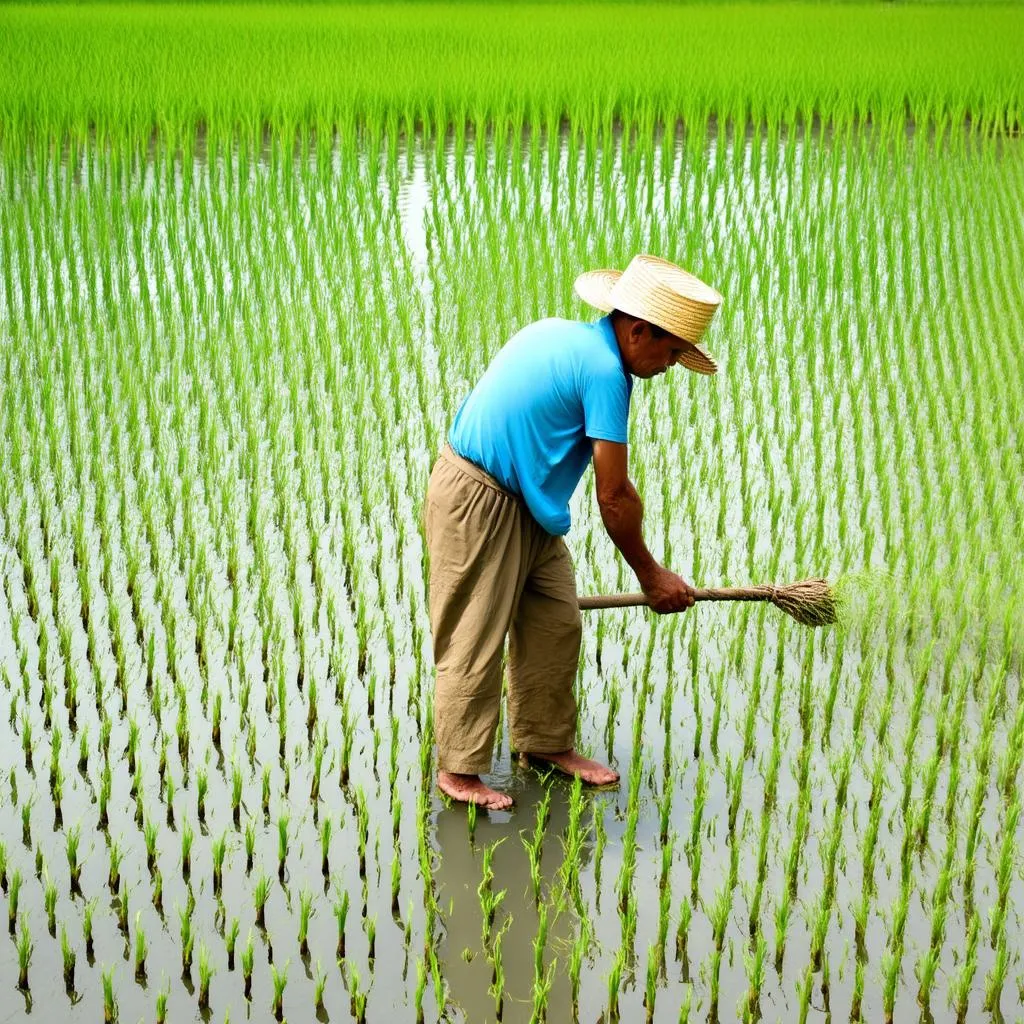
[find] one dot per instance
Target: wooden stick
(594, 601)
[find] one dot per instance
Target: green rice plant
(319, 984)
(230, 941)
(651, 984)
(261, 893)
(282, 845)
(250, 845)
(325, 846)
(279, 979)
(600, 841)
(820, 920)
(109, 1000)
(26, 822)
(187, 838)
(782, 911)
(161, 1005)
(421, 987)
(187, 938)
(218, 849)
(396, 883)
(925, 968)
(141, 949)
(890, 978)
(718, 914)
(151, 832)
(341, 915)
(754, 961)
(202, 787)
(614, 983)
(357, 998)
(682, 931)
(87, 914)
(27, 746)
(206, 972)
(50, 905)
(305, 908)
(24, 947)
(804, 988)
(684, 1007)
(248, 955)
(715, 971)
(580, 945)
(996, 978)
(236, 791)
(216, 719)
(489, 900)
(69, 958)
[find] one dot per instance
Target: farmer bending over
(556, 395)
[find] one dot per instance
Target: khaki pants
(494, 571)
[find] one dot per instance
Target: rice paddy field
(239, 307)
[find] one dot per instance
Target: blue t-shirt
(528, 422)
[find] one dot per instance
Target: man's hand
(666, 591)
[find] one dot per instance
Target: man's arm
(622, 512)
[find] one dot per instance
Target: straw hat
(661, 293)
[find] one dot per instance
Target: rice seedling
(261, 894)
(341, 916)
(110, 1006)
(230, 941)
(50, 905)
(141, 948)
(219, 849)
(282, 845)
(87, 917)
(248, 955)
(187, 839)
(13, 897)
(206, 972)
(24, 947)
(187, 938)
(305, 908)
(161, 1005)
(69, 958)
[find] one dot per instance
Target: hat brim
(594, 287)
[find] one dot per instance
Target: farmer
(496, 510)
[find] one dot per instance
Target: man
(556, 396)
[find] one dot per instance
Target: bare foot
(469, 789)
(572, 763)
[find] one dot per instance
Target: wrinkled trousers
(495, 572)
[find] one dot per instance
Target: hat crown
(664, 294)
(661, 293)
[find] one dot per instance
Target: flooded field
(226, 374)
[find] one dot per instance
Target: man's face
(648, 356)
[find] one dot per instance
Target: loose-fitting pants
(495, 572)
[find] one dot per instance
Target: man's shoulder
(557, 326)
(579, 341)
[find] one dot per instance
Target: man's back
(553, 386)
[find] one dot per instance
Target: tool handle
(595, 601)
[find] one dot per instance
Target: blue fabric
(553, 386)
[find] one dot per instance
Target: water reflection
(458, 875)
